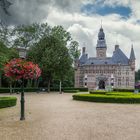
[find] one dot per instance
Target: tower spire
(101, 44)
(132, 54)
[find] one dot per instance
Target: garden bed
(111, 97)
(7, 101)
(70, 91)
(97, 92)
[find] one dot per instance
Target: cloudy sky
(82, 18)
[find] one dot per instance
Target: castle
(103, 72)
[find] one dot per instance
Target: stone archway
(101, 84)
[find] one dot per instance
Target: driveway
(56, 116)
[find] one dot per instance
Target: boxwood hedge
(7, 90)
(108, 98)
(7, 101)
(71, 91)
(97, 92)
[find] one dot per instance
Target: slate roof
(118, 58)
(83, 58)
(97, 61)
(132, 55)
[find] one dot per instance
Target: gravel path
(57, 117)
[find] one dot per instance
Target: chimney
(83, 50)
(116, 47)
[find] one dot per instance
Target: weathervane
(5, 5)
(101, 23)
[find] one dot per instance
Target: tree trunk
(49, 83)
(10, 87)
(35, 83)
(60, 87)
(0, 79)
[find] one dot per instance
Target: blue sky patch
(106, 10)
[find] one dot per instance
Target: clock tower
(101, 44)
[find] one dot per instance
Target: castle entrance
(101, 84)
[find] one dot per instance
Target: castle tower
(132, 59)
(101, 44)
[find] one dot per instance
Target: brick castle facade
(103, 72)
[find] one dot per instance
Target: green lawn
(110, 97)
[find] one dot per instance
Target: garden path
(57, 117)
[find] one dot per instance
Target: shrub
(7, 101)
(97, 92)
(71, 91)
(123, 90)
(69, 88)
(128, 98)
(4, 90)
(72, 88)
(7, 90)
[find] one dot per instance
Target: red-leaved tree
(20, 69)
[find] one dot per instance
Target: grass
(110, 97)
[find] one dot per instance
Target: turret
(132, 59)
(84, 56)
(116, 47)
(83, 50)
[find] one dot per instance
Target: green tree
(137, 75)
(5, 55)
(4, 34)
(52, 55)
(27, 35)
(74, 50)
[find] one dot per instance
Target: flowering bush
(21, 69)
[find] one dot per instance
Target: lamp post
(22, 54)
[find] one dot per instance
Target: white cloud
(84, 28)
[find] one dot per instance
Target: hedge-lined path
(57, 117)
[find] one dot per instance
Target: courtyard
(56, 116)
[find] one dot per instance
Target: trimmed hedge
(4, 90)
(71, 91)
(80, 89)
(7, 101)
(116, 98)
(97, 92)
(7, 90)
(124, 90)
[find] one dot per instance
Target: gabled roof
(119, 57)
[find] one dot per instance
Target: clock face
(101, 54)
